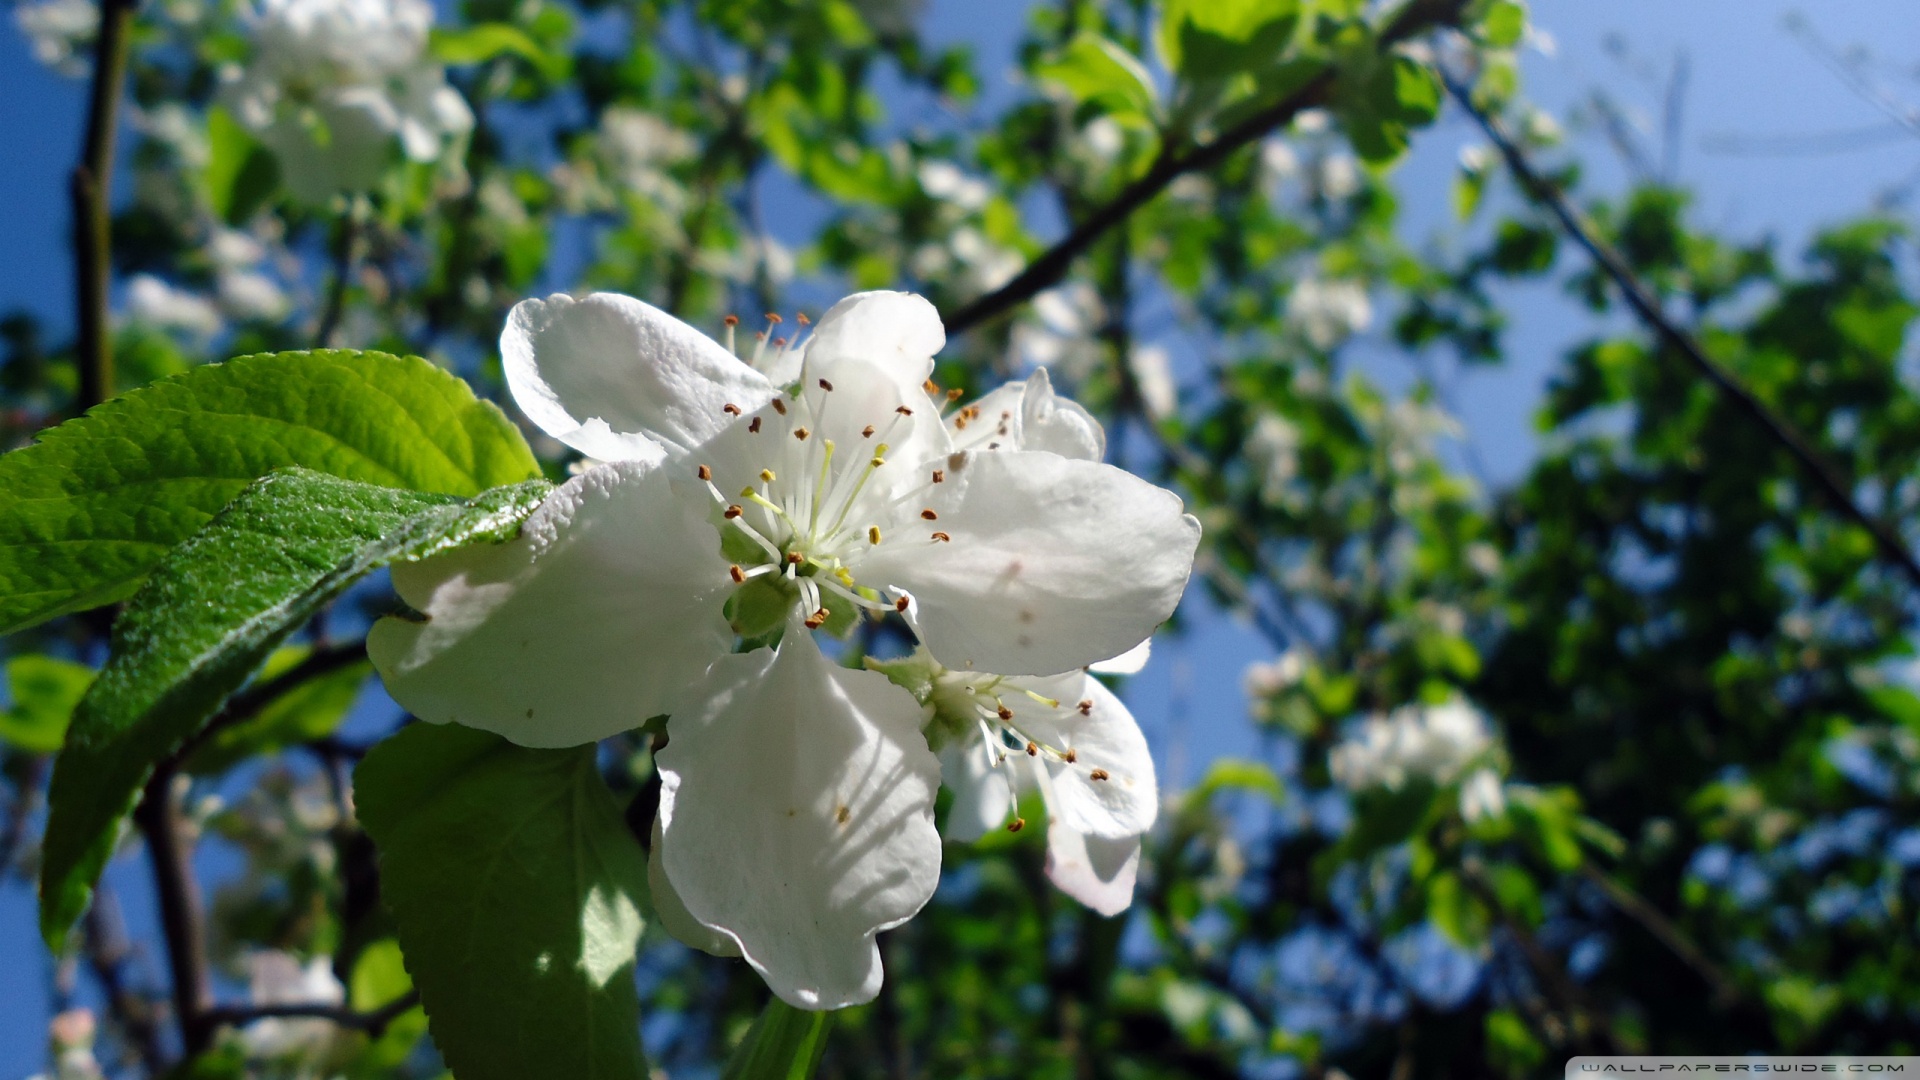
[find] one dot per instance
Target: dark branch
(345, 241)
(89, 187)
(374, 1023)
(182, 917)
(1415, 18)
(247, 704)
(1838, 491)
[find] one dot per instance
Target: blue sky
(1749, 79)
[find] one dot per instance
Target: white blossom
(61, 32)
(945, 180)
(334, 86)
(279, 978)
(1273, 448)
(1429, 742)
(787, 493)
(1265, 678)
(151, 301)
(1481, 796)
(1337, 176)
(1152, 368)
(1062, 333)
(1326, 313)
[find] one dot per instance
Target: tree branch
(1636, 907)
(247, 704)
(1415, 18)
(1646, 306)
(344, 243)
(90, 186)
(374, 1023)
(182, 919)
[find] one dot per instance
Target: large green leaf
(86, 513)
(207, 618)
(517, 890)
(785, 1043)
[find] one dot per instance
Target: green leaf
(1216, 39)
(1503, 25)
(379, 979)
(206, 619)
(1095, 69)
(242, 175)
(785, 1043)
(312, 710)
(1236, 774)
(478, 44)
(1385, 101)
(44, 692)
(517, 891)
(87, 512)
(1455, 911)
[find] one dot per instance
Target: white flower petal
(621, 380)
(1061, 425)
(1097, 872)
(1052, 564)
(1131, 662)
(606, 606)
(899, 331)
(981, 797)
(1109, 789)
(673, 914)
(796, 811)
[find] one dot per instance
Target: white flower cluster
(335, 85)
(275, 977)
(736, 507)
(1436, 743)
(244, 290)
(1328, 312)
(965, 255)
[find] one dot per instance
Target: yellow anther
(873, 534)
(766, 476)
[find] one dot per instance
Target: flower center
(800, 513)
(996, 707)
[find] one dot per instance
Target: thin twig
(89, 187)
(374, 1023)
(107, 952)
(247, 704)
(1647, 306)
(1417, 17)
(1585, 1028)
(344, 246)
(1636, 907)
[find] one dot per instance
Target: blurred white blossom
(1338, 176)
(1152, 368)
(948, 182)
(61, 33)
(1328, 312)
(1273, 449)
(1481, 796)
(278, 978)
(1430, 742)
(1061, 336)
(152, 302)
(334, 85)
(1265, 678)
